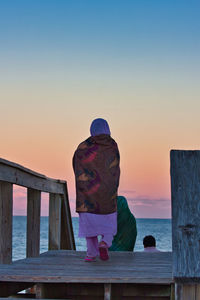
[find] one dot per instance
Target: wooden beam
(33, 223)
(17, 174)
(70, 291)
(6, 206)
(185, 191)
(54, 221)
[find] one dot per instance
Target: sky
(135, 63)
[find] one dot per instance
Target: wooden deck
(62, 272)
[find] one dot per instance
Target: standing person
(97, 172)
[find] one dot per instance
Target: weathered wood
(25, 297)
(63, 274)
(68, 266)
(140, 290)
(185, 191)
(107, 291)
(73, 290)
(189, 292)
(10, 288)
(172, 296)
(33, 223)
(186, 292)
(54, 221)
(67, 235)
(16, 174)
(60, 228)
(6, 206)
(144, 298)
(197, 291)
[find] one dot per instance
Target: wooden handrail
(17, 174)
(60, 223)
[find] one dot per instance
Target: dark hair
(149, 241)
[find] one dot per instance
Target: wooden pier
(65, 274)
(61, 272)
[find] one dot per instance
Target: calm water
(160, 228)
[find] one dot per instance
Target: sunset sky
(135, 63)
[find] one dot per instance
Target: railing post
(33, 223)
(67, 236)
(54, 221)
(185, 192)
(6, 206)
(107, 291)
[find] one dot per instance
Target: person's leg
(107, 238)
(105, 243)
(92, 246)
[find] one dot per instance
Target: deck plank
(68, 266)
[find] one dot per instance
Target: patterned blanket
(96, 168)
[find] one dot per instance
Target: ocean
(159, 228)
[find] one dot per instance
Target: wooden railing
(60, 224)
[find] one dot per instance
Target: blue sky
(100, 28)
(134, 62)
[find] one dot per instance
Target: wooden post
(54, 221)
(185, 192)
(172, 296)
(6, 206)
(67, 235)
(107, 291)
(33, 223)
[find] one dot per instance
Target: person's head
(149, 241)
(99, 126)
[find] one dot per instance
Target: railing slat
(6, 206)
(67, 235)
(54, 221)
(33, 223)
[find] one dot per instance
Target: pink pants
(92, 244)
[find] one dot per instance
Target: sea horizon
(158, 227)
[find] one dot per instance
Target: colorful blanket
(96, 168)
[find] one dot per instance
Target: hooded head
(99, 126)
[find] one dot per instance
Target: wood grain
(33, 223)
(54, 221)
(68, 266)
(185, 191)
(17, 174)
(6, 205)
(60, 230)
(67, 234)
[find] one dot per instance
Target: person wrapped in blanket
(126, 235)
(97, 173)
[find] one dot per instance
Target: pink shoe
(103, 251)
(89, 259)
